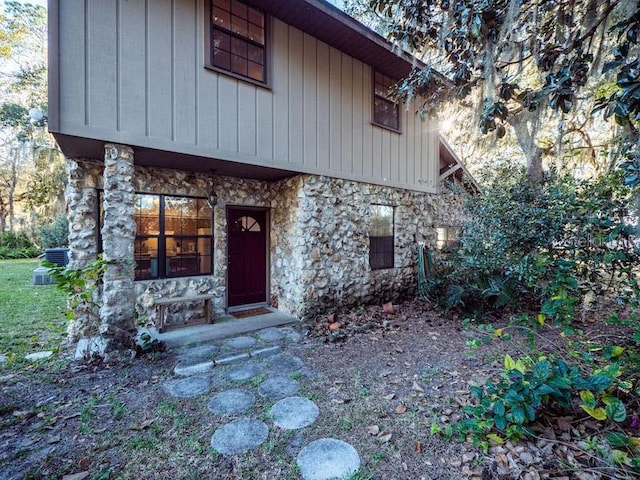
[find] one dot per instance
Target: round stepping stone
(271, 334)
(239, 436)
(328, 459)
(200, 351)
(187, 387)
(278, 387)
(38, 355)
(193, 366)
(291, 334)
(286, 363)
(240, 342)
(243, 372)
(232, 402)
(294, 412)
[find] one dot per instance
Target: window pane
(239, 8)
(381, 221)
(146, 257)
(381, 252)
(181, 216)
(239, 47)
(222, 59)
(386, 113)
(188, 256)
(256, 34)
(225, 4)
(256, 71)
(221, 40)
(255, 54)
(441, 239)
(239, 65)
(147, 214)
(222, 18)
(239, 26)
(256, 17)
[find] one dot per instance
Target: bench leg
(161, 309)
(207, 311)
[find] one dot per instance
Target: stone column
(82, 198)
(117, 323)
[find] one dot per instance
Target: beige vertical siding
(133, 71)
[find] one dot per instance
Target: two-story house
(242, 148)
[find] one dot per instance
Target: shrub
(542, 245)
(56, 233)
(17, 245)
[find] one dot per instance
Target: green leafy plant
(17, 245)
(55, 234)
(546, 246)
(504, 408)
(79, 284)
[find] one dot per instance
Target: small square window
(447, 238)
(381, 237)
(386, 111)
(237, 40)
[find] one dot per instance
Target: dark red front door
(247, 256)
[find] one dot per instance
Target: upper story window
(386, 112)
(238, 39)
(381, 242)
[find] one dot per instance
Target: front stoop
(222, 327)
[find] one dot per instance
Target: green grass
(32, 317)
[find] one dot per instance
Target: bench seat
(164, 302)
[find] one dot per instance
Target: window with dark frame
(386, 112)
(448, 238)
(381, 241)
(173, 236)
(238, 39)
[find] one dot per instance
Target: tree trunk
(13, 181)
(525, 135)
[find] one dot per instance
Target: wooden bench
(163, 303)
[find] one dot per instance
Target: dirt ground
(380, 389)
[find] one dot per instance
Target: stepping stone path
(276, 388)
(245, 359)
(200, 351)
(38, 356)
(271, 334)
(232, 402)
(294, 412)
(188, 387)
(193, 366)
(244, 371)
(238, 343)
(328, 459)
(239, 436)
(286, 363)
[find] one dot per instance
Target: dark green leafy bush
(17, 245)
(56, 233)
(542, 245)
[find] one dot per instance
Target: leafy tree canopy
(524, 56)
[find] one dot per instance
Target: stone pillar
(82, 198)
(117, 324)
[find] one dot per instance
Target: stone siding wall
(330, 245)
(319, 237)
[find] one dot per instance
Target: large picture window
(238, 39)
(381, 243)
(386, 112)
(173, 236)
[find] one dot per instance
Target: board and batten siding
(132, 71)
